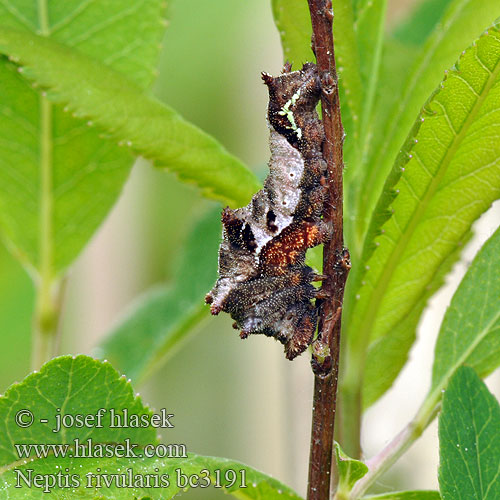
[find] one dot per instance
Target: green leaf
(163, 318)
(417, 26)
(447, 174)
(470, 332)
(462, 22)
(395, 64)
(294, 26)
(86, 387)
(67, 386)
(387, 355)
(350, 72)
(469, 440)
(369, 38)
(406, 495)
(58, 178)
(154, 325)
(350, 471)
(369, 28)
(140, 122)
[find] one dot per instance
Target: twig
(336, 263)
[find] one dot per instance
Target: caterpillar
(264, 283)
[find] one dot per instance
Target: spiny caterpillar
(263, 281)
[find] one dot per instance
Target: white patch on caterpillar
(286, 168)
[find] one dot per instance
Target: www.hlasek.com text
(88, 449)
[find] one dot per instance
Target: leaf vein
(19, 16)
(107, 22)
(71, 15)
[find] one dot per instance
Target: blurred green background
(236, 399)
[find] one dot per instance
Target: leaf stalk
(384, 460)
(48, 290)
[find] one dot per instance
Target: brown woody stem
(325, 358)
